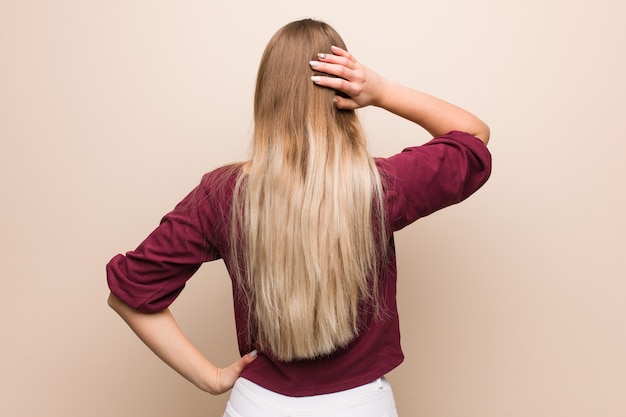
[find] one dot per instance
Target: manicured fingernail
(253, 353)
(321, 56)
(335, 48)
(316, 79)
(313, 63)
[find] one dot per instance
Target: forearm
(160, 332)
(433, 114)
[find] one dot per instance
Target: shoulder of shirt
(221, 175)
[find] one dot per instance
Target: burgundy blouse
(417, 181)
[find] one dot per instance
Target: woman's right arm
(365, 87)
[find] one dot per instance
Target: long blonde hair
(307, 211)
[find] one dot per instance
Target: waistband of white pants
(275, 400)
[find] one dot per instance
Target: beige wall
(512, 303)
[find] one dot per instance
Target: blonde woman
(305, 228)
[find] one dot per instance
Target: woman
(305, 230)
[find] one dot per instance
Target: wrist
(208, 380)
(385, 94)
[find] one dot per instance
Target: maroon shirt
(417, 182)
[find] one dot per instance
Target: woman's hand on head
(225, 378)
(363, 86)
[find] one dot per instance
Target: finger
(339, 51)
(337, 70)
(342, 52)
(346, 60)
(338, 84)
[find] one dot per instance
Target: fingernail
(254, 353)
(336, 48)
(321, 56)
(316, 79)
(313, 63)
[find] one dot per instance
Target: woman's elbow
(115, 302)
(483, 133)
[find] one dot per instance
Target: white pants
(370, 400)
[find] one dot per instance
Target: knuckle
(342, 71)
(342, 85)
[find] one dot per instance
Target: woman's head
(287, 103)
(284, 72)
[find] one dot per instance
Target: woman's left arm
(160, 332)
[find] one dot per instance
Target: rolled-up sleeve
(423, 179)
(153, 275)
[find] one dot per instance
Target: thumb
(343, 103)
(246, 360)
(226, 377)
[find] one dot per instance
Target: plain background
(512, 303)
